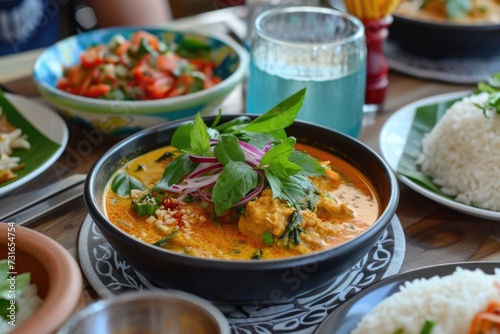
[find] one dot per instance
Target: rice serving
(451, 302)
(462, 153)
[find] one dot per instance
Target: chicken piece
(329, 207)
(266, 214)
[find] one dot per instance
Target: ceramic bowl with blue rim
(124, 117)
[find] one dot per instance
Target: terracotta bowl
(53, 270)
(243, 280)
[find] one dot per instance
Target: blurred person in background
(130, 12)
(31, 24)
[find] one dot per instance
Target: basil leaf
(310, 166)
(274, 183)
(276, 159)
(279, 117)
(228, 149)
(123, 183)
(227, 126)
(236, 180)
(175, 171)
(261, 139)
(199, 137)
(181, 138)
(296, 189)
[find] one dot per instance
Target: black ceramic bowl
(445, 40)
(242, 281)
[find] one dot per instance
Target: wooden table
(434, 233)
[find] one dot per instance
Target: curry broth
(481, 11)
(199, 236)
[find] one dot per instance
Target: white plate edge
(406, 112)
(60, 137)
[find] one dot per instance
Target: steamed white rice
(450, 301)
(462, 153)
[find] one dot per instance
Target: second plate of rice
(447, 296)
(392, 141)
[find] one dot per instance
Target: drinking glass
(321, 49)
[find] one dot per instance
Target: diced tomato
(185, 80)
(166, 62)
(63, 84)
(144, 61)
(198, 64)
(150, 38)
(158, 88)
(144, 75)
(208, 70)
(176, 91)
(93, 56)
(75, 75)
(85, 83)
(123, 48)
(97, 90)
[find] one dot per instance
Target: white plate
(347, 316)
(48, 123)
(393, 139)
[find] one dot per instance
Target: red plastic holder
(377, 71)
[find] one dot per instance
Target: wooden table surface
(434, 233)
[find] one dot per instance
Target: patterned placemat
(109, 275)
(453, 70)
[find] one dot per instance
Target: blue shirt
(29, 24)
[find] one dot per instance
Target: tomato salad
(140, 68)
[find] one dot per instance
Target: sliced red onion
(254, 192)
(202, 159)
(197, 182)
(267, 147)
(204, 168)
(254, 149)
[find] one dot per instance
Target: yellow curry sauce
(480, 11)
(349, 208)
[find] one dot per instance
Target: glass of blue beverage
(321, 49)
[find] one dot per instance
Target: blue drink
(323, 50)
(334, 103)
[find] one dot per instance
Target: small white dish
(392, 141)
(50, 130)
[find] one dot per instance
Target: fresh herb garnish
(257, 255)
(229, 164)
(146, 205)
(123, 184)
(268, 238)
(163, 241)
(491, 87)
(427, 327)
(291, 236)
(165, 156)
